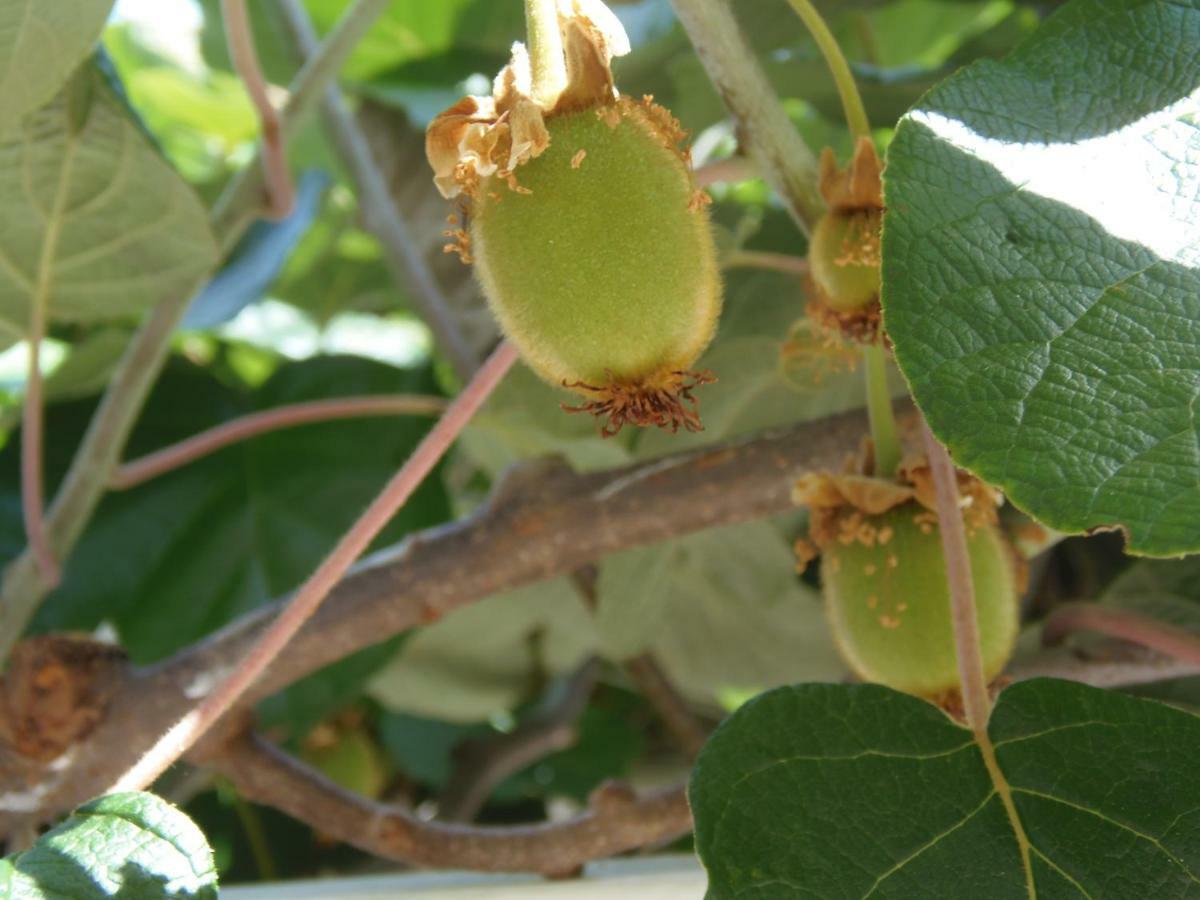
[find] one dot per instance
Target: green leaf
(40, 44)
(95, 224)
(854, 791)
(1041, 269)
(182, 555)
(722, 611)
(132, 846)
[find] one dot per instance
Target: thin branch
(1126, 624)
(152, 465)
(87, 478)
(480, 766)
(733, 168)
(976, 702)
(775, 262)
(542, 521)
(1113, 665)
(32, 425)
(237, 207)
(689, 733)
(300, 608)
(281, 195)
(650, 679)
(616, 820)
(764, 129)
(381, 216)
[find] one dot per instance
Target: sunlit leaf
(134, 846)
(1041, 266)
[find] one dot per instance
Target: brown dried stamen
(666, 403)
(860, 326)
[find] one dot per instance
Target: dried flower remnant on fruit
(586, 229)
(811, 353)
(844, 250)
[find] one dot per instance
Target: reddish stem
(240, 37)
(32, 501)
(976, 702)
(152, 465)
(184, 734)
(1125, 624)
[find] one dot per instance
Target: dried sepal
(479, 137)
(857, 187)
(666, 402)
(842, 505)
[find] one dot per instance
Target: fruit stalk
(545, 50)
(852, 105)
(976, 702)
(880, 412)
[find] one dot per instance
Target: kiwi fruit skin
(888, 604)
(843, 259)
(599, 263)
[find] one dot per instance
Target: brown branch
(777, 262)
(616, 820)
(541, 522)
(1113, 665)
(239, 35)
(145, 468)
(1126, 624)
(480, 765)
(689, 733)
(650, 679)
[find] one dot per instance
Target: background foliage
(306, 309)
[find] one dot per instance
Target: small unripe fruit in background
(843, 258)
(589, 236)
(349, 758)
(888, 605)
(844, 248)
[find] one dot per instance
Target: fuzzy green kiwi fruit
(887, 602)
(599, 263)
(843, 258)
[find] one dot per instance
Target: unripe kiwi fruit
(351, 760)
(843, 258)
(888, 605)
(600, 266)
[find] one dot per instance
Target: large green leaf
(722, 611)
(1041, 269)
(858, 791)
(132, 846)
(40, 44)
(94, 224)
(485, 658)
